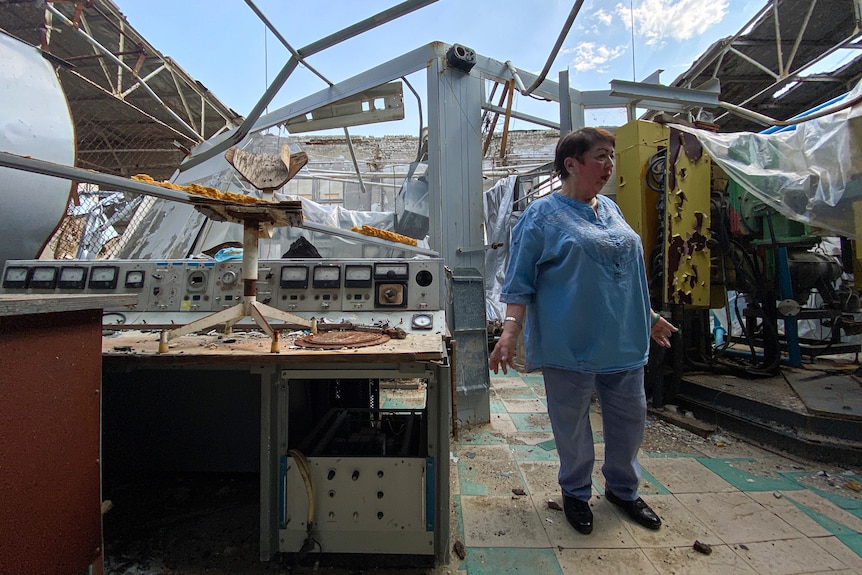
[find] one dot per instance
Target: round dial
(228, 277)
(422, 321)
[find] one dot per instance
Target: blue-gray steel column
(456, 210)
(571, 106)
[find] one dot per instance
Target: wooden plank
(23, 304)
(138, 348)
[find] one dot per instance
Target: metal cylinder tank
(35, 121)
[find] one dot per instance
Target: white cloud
(657, 20)
(604, 17)
(591, 56)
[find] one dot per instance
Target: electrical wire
(305, 471)
(656, 172)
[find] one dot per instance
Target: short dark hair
(576, 144)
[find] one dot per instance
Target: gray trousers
(623, 404)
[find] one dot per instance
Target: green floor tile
(517, 393)
(501, 375)
(658, 455)
(745, 481)
(853, 506)
(548, 445)
(533, 453)
(531, 422)
(472, 484)
(467, 437)
(827, 523)
(459, 517)
(509, 561)
(395, 403)
(656, 487)
(497, 406)
(854, 542)
(534, 379)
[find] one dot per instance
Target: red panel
(50, 516)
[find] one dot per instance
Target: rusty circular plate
(338, 339)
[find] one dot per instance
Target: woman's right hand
(503, 355)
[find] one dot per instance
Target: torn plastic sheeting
(812, 174)
(498, 231)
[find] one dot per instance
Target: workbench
(419, 482)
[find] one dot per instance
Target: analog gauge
(135, 279)
(357, 276)
(15, 277)
(294, 277)
(72, 277)
(326, 277)
(229, 278)
(104, 277)
(43, 278)
(390, 271)
(422, 321)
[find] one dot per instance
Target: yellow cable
(305, 471)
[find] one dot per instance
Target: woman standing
(576, 284)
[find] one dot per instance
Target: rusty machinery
(719, 257)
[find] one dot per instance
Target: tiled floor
(759, 512)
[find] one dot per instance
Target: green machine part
(753, 217)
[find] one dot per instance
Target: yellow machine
(721, 262)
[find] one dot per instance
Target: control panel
(315, 286)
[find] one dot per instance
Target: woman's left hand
(662, 331)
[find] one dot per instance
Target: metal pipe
(299, 57)
(518, 82)
(766, 120)
(556, 49)
(283, 41)
(106, 181)
(454, 378)
(290, 66)
(802, 29)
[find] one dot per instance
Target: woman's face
(595, 168)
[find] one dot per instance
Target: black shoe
(579, 514)
(637, 510)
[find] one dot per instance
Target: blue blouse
(583, 279)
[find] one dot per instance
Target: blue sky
(225, 46)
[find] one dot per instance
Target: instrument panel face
(296, 285)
